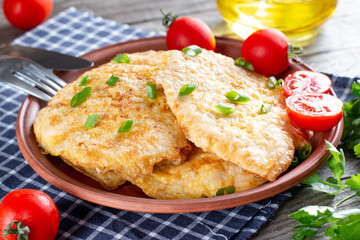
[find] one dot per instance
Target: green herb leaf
(187, 89)
(237, 97)
(151, 90)
(226, 190)
(122, 58)
(91, 120)
(317, 184)
(336, 163)
(354, 182)
(311, 219)
(224, 109)
(351, 129)
(192, 50)
(265, 108)
(112, 80)
(125, 126)
(241, 62)
(355, 89)
(346, 225)
(271, 82)
(84, 80)
(80, 97)
(357, 150)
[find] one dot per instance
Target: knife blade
(48, 59)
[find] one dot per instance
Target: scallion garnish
(84, 80)
(224, 109)
(237, 97)
(271, 82)
(279, 83)
(225, 190)
(187, 89)
(304, 151)
(91, 120)
(80, 97)
(112, 80)
(125, 126)
(192, 50)
(151, 90)
(265, 108)
(241, 62)
(122, 58)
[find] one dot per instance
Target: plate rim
(138, 204)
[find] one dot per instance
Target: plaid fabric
(76, 32)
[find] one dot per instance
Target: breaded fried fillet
(262, 144)
(154, 138)
(202, 175)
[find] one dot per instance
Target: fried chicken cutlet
(100, 152)
(260, 143)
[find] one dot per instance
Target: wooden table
(336, 50)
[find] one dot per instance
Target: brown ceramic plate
(130, 197)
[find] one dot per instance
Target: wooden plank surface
(336, 50)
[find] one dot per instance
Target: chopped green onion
(224, 109)
(279, 83)
(112, 80)
(265, 108)
(304, 151)
(122, 58)
(151, 90)
(271, 82)
(80, 97)
(241, 62)
(225, 190)
(237, 97)
(192, 50)
(295, 161)
(125, 126)
(84, 80)
(91, 120)
(187, 89)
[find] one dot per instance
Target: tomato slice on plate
(316, 112)
(301, 82)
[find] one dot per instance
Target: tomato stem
(168, 19)
(20, 231)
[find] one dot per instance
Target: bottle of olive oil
(300, 20)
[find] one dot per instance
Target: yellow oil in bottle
(300, 20)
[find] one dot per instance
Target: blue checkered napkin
(77, 32)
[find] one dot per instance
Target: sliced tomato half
(316, 112)
(303, 82)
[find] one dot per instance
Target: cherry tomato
(316, 112)
(306, 82)
(187, 31)
(267, 50)
(35, 209)
(27, 14)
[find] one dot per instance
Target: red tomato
(306, 82)
(37, 210)
(267, 50)
(316, 112)
(27, 14)
(187, 31)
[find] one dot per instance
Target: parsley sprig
(351, 132)
(344, 223)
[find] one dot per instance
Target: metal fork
(30, 77)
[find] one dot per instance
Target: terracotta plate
(130, 197)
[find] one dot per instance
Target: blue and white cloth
(77, 32)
